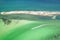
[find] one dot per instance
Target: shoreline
(43, 13)
(53, 14)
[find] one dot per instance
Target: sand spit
(43, 13)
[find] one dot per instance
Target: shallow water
(29, 30)
(29, 27)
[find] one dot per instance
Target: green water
(29, 27)
(26, 30)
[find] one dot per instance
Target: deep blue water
(46, 5)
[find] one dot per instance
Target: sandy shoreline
(44, 13)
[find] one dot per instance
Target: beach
(43, 13)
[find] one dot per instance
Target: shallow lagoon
(30, 28)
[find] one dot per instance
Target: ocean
(43, 5)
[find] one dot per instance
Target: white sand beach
(43, 13)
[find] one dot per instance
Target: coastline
(43, 13)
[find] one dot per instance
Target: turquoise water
(46, 5)
(13, 29)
